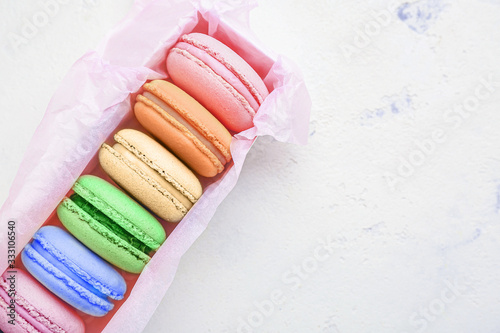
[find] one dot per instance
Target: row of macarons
(215, 92)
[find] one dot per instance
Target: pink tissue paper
(96, 97)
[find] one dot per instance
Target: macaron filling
(102, 231)
(117, 217)
(104, 220)
(170, 111)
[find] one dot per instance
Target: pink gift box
(95, 100)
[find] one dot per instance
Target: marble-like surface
(387, 221)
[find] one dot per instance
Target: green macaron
(111, 224)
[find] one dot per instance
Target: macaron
(35, 309)
(218, 78)
(111, 224)
(151, 174)
(73, 272)
(184, 126)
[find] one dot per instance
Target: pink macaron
(35, 308)
(218, 78)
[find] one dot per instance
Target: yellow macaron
(151, 174)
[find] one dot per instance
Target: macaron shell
(208, 88)
(99, 239)
(118, 206)
(180, 100)
(253, 97)
(54, 281)
(94, 268)
(141, 186)
(43, 306)
(62, 257)
(172, 137)
(218, 78)
(165, 161)
(154, 175)
(20, 324)
(230, 58)
(176, 136)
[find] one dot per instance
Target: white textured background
(401, 176)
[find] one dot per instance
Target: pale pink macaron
(218, 78)
(36, 309)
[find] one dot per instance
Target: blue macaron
(73, 272)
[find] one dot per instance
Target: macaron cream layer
(86, 222)
(109, 224)
(103, 212)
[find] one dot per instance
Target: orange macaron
(184, 126)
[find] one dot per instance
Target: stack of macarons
(190, 122)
